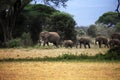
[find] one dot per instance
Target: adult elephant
(114, 43)
(115, 36)
(68, 43)
(101, 40)
(52, 37)
(83, 41)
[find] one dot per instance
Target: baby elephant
(68, 43)
(114, 43)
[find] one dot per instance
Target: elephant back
(84, 40)
(53, 36)
(114, 42)
(115, 36)
(101, 39)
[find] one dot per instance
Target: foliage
(80, 32)
(109, 18)
(104, 31)
(117, 27)
(64, 24)
(26, 39)
(113, 54)
(14, 43)
(11, 9)
(35, 18)
(92, 30)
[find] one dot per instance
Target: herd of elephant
(53, 37)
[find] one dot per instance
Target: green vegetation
(35, 18)
(64, 24)
(109, 18)
(9, 18)
(14, 43)
(92, 31)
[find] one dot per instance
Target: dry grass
(56, 70)
(59, 71)
(27, 53)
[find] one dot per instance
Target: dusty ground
(59, 71)
(26, 53)
(56, 70)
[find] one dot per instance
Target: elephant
(101, 40)
(52, 37)
(83, 41)
(114, 43)
(68, 43)
(115, 36)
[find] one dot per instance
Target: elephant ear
(46, 34)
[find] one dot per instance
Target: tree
(118, 27)
(64, 24)
(80, 32)
(11, 9)
(92, 30)
(117, 9)
(104, 31)
(109, 18)
(38, 17)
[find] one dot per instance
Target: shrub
(113, 54)
(14, 43)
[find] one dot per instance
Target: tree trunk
(8, 18)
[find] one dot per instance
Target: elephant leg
(44, 44)
(107, 46)
(84, 45)
(88, 45)
(99, 44)
(47, 43)
(76, 45)
(80, 45)
(70, 46)
(56, 44)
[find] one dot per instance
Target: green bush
(14, 43)
(113, 54)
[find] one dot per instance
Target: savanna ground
(56, 70)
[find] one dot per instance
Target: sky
(86, 12)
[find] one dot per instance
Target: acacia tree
(11, 9)
(92, 30)
(38, 17)
(64, 24)
(109, 18)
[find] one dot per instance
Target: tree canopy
(11, 9)
(109, 18)
(64, 24)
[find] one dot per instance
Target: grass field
(59, 71)
(30, 52)
(46, 70)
